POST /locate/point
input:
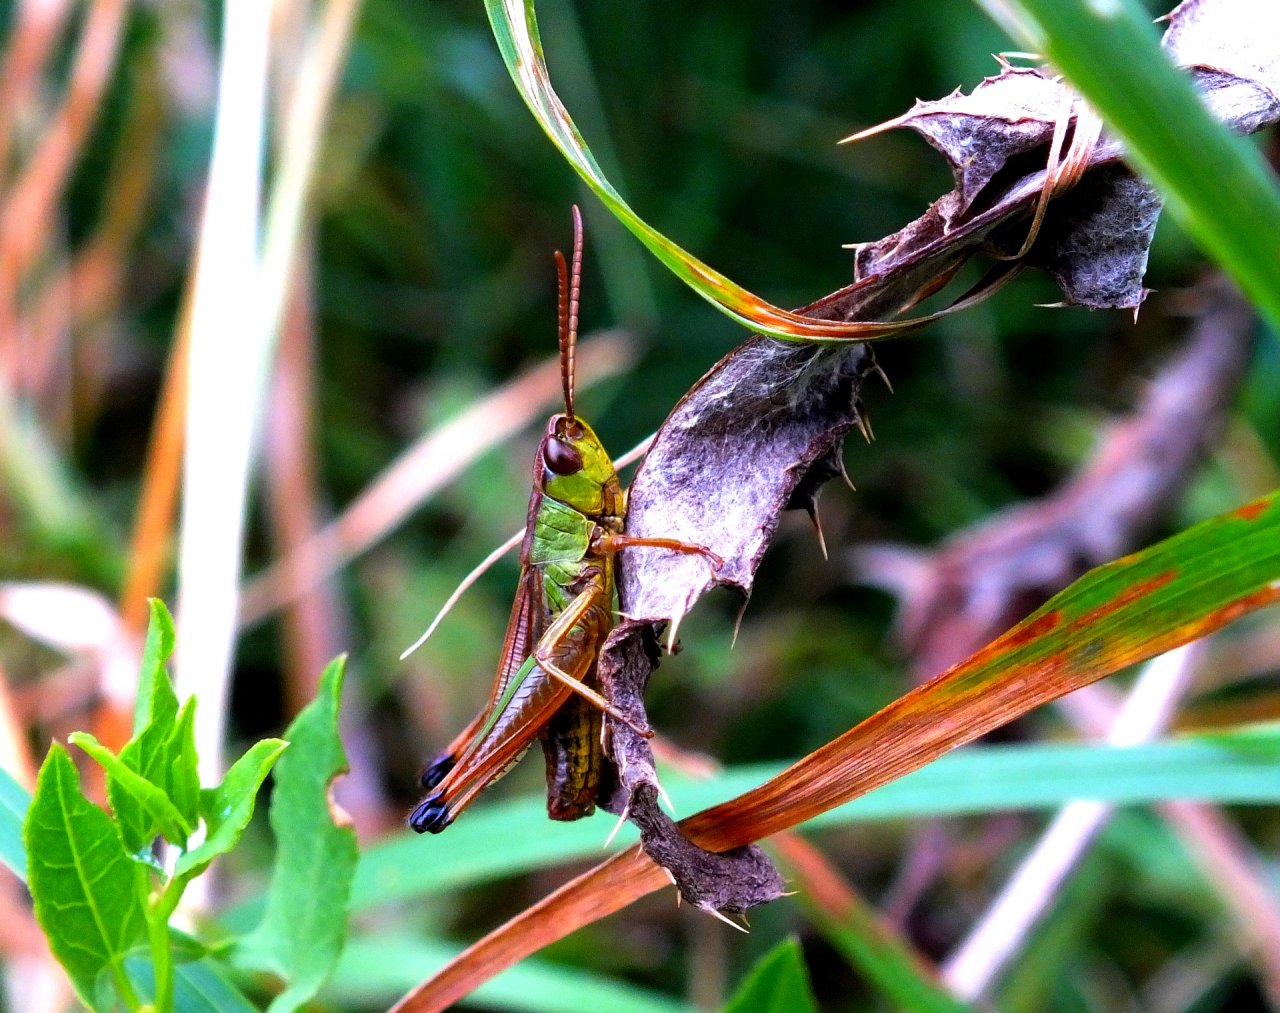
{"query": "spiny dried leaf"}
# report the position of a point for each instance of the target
(1003, 117)
(760, 431)
(1231, 45)
(761, 428)
(734, 881)
(727, 461)
(1094, 240)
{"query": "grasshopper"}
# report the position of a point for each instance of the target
(565, 605)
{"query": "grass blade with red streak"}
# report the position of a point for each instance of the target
(1116, 615)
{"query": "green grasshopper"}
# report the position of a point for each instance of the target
(565, 605)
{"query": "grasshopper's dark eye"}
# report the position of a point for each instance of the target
(561, 458)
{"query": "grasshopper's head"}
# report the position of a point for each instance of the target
(575, 468)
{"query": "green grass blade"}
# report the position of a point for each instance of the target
(1236, 767)
(891, 967)
(14, 802)
(1216, 185)
(374, 970)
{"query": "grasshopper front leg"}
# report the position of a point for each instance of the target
(569, 640)
(614, 542)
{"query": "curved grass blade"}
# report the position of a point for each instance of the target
(515, 27)
(1124, 612)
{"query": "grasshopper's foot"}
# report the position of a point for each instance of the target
(431, 816)
(436, 771)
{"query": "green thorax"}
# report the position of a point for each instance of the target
(570, 508)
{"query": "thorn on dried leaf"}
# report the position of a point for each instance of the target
(879, 371)
(662, 794)
(744, 929)
(737, 622)
(622, 818)
(863, 421)
(673, 628)
(812, 510)
(845, 475)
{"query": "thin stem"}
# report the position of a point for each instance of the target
(158, 911)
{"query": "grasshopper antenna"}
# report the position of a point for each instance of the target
(570, 287)
(467, 581)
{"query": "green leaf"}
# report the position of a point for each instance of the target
(228, 808)
(160, 814)
(1216, 185)
(156, 702)
(199, 987)
(778, 983)
(14, 802)
(182, 777)
(161, 752)
(304, 928)
(88, 893)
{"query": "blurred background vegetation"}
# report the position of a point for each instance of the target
(427, 280)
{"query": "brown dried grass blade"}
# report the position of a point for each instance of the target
(1122, 613)
(152, 541)
(30, 204)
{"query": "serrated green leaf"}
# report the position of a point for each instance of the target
(183, 774)
(778, 983)
(14, 802)
(304, 928)
(88, 893)
(152, 753)
(228, 808)
(156, 700)
(122, 782)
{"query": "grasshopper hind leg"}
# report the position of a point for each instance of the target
(436, 770)
(431, 815)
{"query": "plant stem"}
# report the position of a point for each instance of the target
(159, 907)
